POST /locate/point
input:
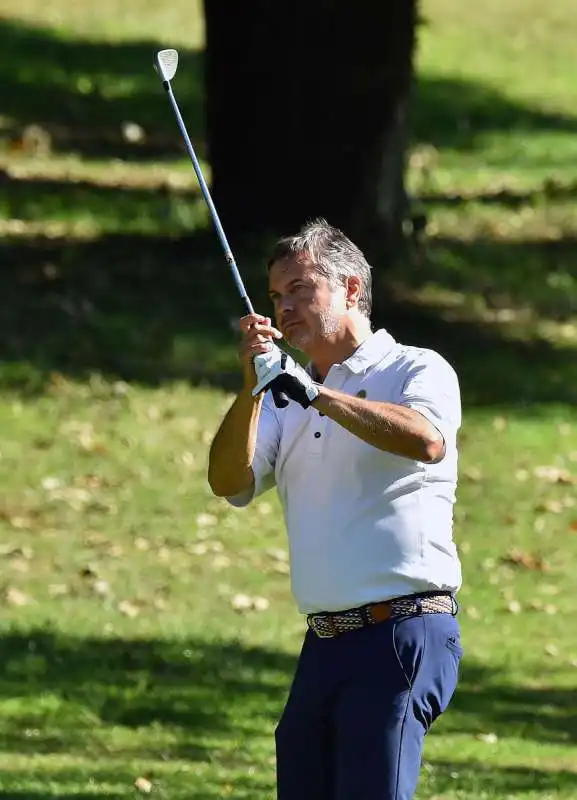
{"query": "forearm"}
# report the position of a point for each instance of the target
(233, 447)
(386, 426)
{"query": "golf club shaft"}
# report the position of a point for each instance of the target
(211, 207)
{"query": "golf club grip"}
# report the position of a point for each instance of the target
(281, 399)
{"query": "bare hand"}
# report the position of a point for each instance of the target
(257, 335)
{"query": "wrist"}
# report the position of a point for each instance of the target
(320, 401)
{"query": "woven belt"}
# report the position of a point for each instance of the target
(327, 625)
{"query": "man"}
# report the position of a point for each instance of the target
(364, 458)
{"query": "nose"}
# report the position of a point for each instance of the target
(285, 304)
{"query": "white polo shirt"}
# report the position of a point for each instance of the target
(364, 525)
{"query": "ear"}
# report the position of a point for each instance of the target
(352, 291)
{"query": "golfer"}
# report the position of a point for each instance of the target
(364, 459)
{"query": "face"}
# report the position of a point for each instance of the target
(307, 310)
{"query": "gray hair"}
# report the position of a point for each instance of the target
(333, 255)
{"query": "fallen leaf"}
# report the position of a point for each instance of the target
(101, 588)
(472, 474)
(277, 553)
(220, 561)
(143, 785)
(20, 522)
(20, 565)
(520, 558)
(241, 602)
(554, 474)
(488, 738)
(50, 483)
(120, 388)
(548, 588)
(58, 590)
(14, 597)
(260, 603)
(551, 650)
(141, 544)
(132, 132)
(206, 520)
(128, 609)
(539, 524)
(551, 506)
(188, 459)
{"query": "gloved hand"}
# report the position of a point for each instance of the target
(279, 372)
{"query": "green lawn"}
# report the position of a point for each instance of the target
(149, 635)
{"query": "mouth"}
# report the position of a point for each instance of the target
(289, 325)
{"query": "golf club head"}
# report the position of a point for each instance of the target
(166, 63)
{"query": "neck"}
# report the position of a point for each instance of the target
(340, 346)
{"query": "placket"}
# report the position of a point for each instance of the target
(319, 423)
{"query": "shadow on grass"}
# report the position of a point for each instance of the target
(539, 275)
(486, 703)
(222, 689)
(117, 206)
(25, 795)
(456, 114)
(199, 689)
(70, 695)
(82, 92)
(509, 198)
(492, 781)
(148, 309)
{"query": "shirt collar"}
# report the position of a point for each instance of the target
(371, 350)
(374, 348)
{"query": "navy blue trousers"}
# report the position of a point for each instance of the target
(360, 706)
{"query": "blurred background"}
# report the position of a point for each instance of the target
(148, 632)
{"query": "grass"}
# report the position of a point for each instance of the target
(148, 633)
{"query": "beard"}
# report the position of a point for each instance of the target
(328, 324)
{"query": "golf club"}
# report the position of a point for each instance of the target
(266, 364)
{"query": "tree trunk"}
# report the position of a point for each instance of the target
(307, 105)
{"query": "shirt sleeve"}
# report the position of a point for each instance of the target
(263, 465)
(432, 388)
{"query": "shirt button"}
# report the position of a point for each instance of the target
(317, 435)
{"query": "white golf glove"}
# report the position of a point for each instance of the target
(280, 373)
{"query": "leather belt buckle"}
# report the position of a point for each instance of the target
(379, 612)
